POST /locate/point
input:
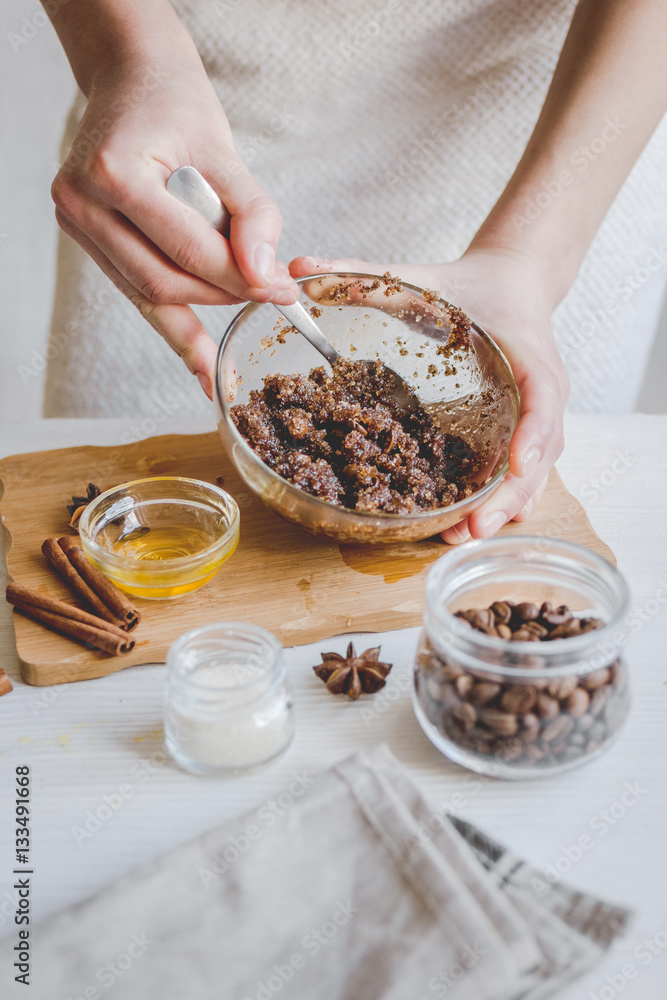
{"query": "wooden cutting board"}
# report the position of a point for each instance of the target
(299, 587)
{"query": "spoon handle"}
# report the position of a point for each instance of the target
(188, 185)
(299, 318)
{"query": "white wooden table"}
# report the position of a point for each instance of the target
(84, 741)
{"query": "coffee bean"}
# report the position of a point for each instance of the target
(525, 635)
(577, 703)
(530, 727)
(545, 622)
(466, 714)
(539, 630)
(590, 624)
(479, 618)
(527, 611)
(502, 612)
(595, 679)
(566, 630)
(499, 722)
(557, 729)
(585, 723)
(518, 699)
(482, 693)
(547, 708)
(464, 685)
(599, 700)
(562, 687)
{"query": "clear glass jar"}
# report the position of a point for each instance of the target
(228, 703)
(516, 709)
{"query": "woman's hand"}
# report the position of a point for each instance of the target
(144, 119)
(508, 295)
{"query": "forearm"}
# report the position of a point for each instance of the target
(99, 34)
(608, 94)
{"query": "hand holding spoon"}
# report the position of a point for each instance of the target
(188, 185)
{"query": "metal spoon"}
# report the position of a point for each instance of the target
(188, 185)
(132, 529)
(121, 513)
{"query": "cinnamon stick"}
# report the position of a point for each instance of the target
(5, 683)
(107, 591)
(17, 595)
(102, 639)
(68, 572)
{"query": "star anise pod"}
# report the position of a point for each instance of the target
(76, 507)
(352, 674)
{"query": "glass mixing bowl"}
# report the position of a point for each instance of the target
(469, 390)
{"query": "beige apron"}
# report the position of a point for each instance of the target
(384, 130)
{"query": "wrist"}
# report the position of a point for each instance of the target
(522, 269)
(136, 62)
(113, 39)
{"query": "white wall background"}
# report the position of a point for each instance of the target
(36, 89)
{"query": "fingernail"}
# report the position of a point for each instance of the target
(205, 383)
(530, 460)
(456, 534)
(285, 297)
(265, 261)
(317, 262)
(492, 522)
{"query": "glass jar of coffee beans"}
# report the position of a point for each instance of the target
(518, 670)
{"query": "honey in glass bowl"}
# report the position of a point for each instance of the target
(160, 538)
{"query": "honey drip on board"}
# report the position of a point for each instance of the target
(392, 562)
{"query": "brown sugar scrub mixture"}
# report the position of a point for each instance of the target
(341, 438)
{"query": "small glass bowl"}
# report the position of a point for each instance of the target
(474, 397)
(513, 709)
(228, 702)
(162, 537)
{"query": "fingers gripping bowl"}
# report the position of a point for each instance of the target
(460, 377)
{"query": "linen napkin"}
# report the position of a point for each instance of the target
(339, 895)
